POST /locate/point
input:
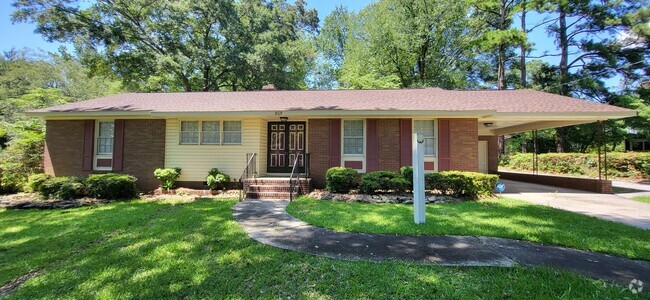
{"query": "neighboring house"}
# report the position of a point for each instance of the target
(367, 130)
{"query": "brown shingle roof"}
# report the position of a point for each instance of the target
(429, 99)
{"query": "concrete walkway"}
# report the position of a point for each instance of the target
(613, 207)
(267, 222)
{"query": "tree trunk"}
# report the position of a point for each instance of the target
(564, 70)
(501, 60)
(522, 58)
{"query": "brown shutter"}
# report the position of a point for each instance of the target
(118, 145)
(444, 145)
(335, 142)
(372, 146)
(89, 142)
(405, 140)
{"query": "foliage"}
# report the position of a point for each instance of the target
(396, 43)
(377, 181)
(111, 186)
(35, 182)
(619, 164)
(340, 179)
(65, 188)
(216, 179)
(467, 185)
(498, 217)
(188, 45)
(167, 177)
(407, 173)
(108, 251)
(23, 155)
(645, 199)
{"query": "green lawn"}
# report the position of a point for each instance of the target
(645, 199)
(196, 250)
(499, 218)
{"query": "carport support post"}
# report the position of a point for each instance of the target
(418, 180)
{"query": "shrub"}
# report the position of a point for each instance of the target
(619, 164)
(111, 186)
(468, 185)
(167, 177)
(23, 155)
(35, 182)
(340, 180)
(407, 173)
(373, 182)
(62, 188)
(216, 179)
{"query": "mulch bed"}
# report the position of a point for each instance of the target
(32, 201)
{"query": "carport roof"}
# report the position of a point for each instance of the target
(322, 101)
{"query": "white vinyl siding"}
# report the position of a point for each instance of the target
(353, 137)
(195, 160)
(426, 130)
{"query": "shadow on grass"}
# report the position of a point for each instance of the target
(197, 250)
(498, 218)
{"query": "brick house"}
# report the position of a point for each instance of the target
(367, 130)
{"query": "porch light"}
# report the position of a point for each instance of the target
(284, 119)
(488, 124)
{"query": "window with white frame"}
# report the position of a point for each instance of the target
(353, 137)
(232, 132)
(426, 130)
(105, 137)
(189, 132)
(210, 132)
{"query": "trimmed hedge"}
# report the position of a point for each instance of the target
(65, 188)
(407, 173)
(373, 182)
(35, 182)
(216, 179)
(468, 185)
(619, 164)
(340, 179)
(111, 186)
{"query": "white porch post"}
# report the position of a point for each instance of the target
(418, 180)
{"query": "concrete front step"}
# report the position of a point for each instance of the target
(276, 188)
(267, 195)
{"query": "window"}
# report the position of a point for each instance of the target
(425, 129)
(210, 132)
(352, 136)
(232, 132)
(189, 132)
(105, 138)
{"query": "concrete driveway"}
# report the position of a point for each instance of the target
(613, 207)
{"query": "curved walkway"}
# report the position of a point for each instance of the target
(267, 222)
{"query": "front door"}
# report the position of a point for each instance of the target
(286, 141)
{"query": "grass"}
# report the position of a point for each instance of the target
(645, 199)
(196, 250)
(498, 218)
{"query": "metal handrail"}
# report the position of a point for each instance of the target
(293, 171)
(246, 174)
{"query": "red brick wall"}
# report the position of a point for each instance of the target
(493, 152)
(144, 149)
(463, 144)
(388, 136)
(318, 132)
(64, 142)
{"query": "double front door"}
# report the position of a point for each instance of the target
(286, 141)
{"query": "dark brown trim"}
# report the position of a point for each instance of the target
(118, 145)
(357, 165)
(88, 145)
(335, 142)
(372, 146)
(444, 145)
